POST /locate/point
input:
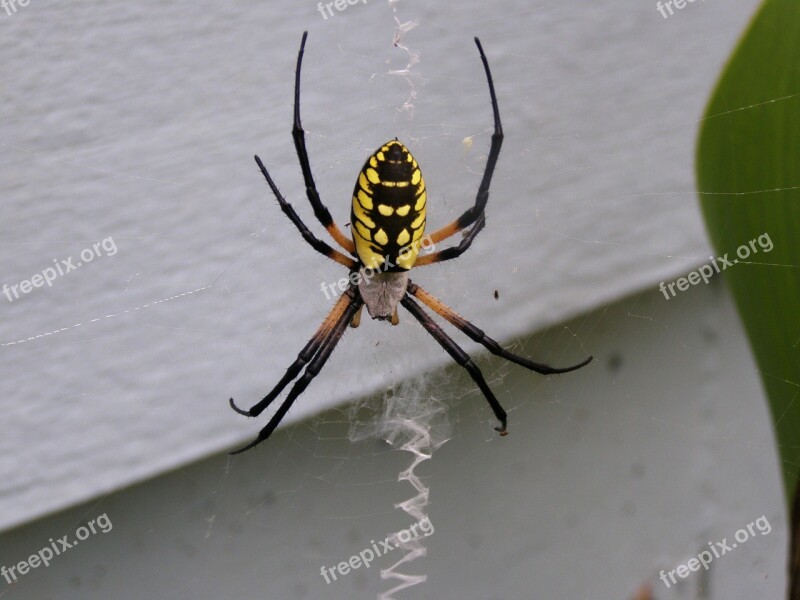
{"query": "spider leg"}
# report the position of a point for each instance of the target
(356, 318)
(454, 251)
(315, 242)
(472, 214)
(314, 367)
(306, 354)
(458, 355)
(479, 336)
(299, 135)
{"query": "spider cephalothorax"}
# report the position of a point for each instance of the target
(388, 217)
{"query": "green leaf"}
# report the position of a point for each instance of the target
(748, 172)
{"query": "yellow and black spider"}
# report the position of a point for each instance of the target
(387, 224)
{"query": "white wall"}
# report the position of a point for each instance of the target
(138, 123)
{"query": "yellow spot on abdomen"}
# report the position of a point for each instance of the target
(372, 176)
(367, 221)
(403, 238)
(386, 211)
(403, 210)
(363, 231)
(365, 199)
(381, 237)
(420, 202)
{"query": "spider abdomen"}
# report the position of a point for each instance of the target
(388, 213)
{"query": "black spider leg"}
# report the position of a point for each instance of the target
(306, 354)
(315, 242)
(453, 251)
(471, 214)
(477, 335)
(314, 367)
(299, 135)
(458, 355)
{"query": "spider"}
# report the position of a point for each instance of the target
(388, 214)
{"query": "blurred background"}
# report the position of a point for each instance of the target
(126, 141)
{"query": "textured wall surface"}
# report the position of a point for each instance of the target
(136, 124)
